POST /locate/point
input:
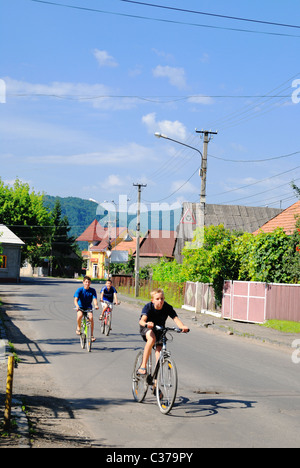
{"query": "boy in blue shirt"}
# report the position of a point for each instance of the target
(84, 298)
(108, 294)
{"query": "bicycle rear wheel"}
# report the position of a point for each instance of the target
(139, 382)
(166, 386)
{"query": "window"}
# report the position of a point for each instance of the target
(3, 261)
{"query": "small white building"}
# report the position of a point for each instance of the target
(10, 255)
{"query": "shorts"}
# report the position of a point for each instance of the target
(157, 333)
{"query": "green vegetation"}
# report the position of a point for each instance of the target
(46, 233)
(80, 213)
(226, 255)
(284, 326)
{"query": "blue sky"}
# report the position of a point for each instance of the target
(88, 83)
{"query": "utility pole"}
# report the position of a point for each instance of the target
(207, 136)
(138, 229)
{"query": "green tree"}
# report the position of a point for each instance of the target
(294, 262)
(296, 189)
(62, 247)
(265, 257)
(23, 211)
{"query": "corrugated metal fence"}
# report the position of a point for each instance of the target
(258, 302)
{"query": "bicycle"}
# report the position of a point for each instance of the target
(164, 378)
(86, 331)
(106, 320)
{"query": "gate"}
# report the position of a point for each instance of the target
(244, 301)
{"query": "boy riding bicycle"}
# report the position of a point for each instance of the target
(155, 313)
(84, 298)
(108, 294)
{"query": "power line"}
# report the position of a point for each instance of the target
(235, 117)
(161, 20)
(215, 15)
(255, 160)
(257, 182)
(153, 99)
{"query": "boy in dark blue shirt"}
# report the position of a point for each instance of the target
(84, 298)
(108, 294)
(156, 313)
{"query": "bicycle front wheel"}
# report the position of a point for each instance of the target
(139, 382)
(107, 324)
(102, 325)
(82, 335)
(88, 337)
(166, 386)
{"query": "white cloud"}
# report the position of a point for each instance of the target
(173, 129)
(115, 181)
(185, 187)
(98, 95)
(55, 89)
(206, 100)
(176, 76)
(104, 59)
(121, 156)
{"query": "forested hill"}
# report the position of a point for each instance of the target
(80, 213)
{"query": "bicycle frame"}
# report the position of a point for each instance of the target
(107, 318)
(163, 354)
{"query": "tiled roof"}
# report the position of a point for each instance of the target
(117, 236)
(94, 233)
(158, 244)
(286, 220)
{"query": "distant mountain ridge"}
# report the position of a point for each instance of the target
(81, 213)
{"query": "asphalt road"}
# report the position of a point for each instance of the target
(232, 392)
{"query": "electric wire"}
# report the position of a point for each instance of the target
(169, 21)
(184, 10)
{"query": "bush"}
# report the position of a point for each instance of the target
(225, 255)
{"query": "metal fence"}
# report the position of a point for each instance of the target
(257, 302)
(246, 301)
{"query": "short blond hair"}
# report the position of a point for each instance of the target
(157, 291)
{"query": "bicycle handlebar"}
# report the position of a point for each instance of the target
(176, 329)
(113, 303)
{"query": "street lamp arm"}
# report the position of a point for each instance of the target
(160, 135)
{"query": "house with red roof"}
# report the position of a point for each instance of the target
(287, 220)
(115, 244)
(157, 245)
(105, 244)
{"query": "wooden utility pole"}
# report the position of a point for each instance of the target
(138, 229)
(203, 174)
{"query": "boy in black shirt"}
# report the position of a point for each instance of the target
(155, 313)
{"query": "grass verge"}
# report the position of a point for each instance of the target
(284, 326)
